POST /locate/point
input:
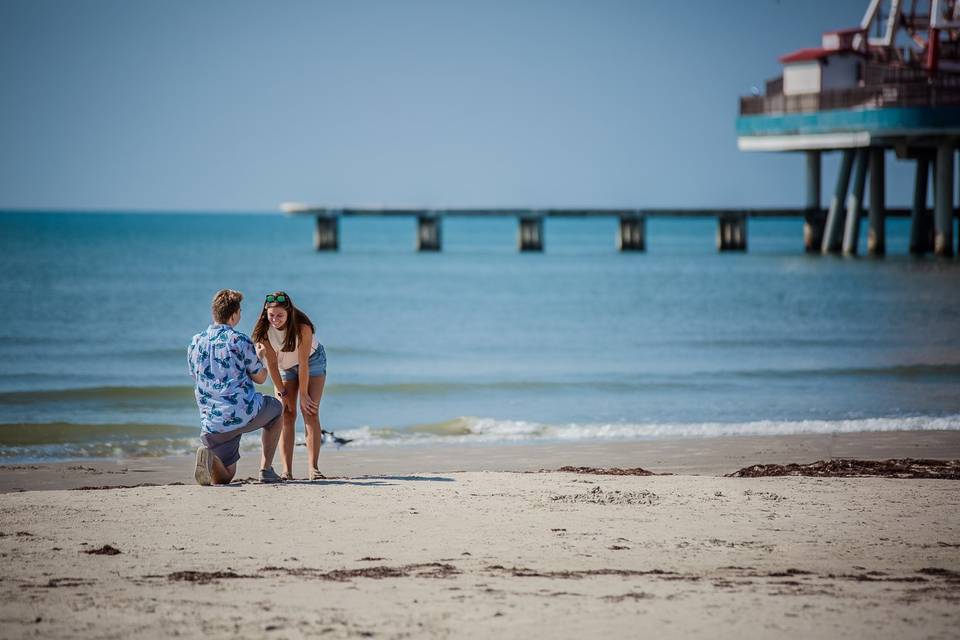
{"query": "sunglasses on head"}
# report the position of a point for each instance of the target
(280, 298)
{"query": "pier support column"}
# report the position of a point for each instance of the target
(813, 220)
(428, 233)
(877, 234)
(943, 202)
(832, 230)
(732, 232)
(326, 235)
(632, 234)
(530, 234)
(921, 229)
(851, 230)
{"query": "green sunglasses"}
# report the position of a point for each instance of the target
(277, 298)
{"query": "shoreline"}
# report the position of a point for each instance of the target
(715, 456)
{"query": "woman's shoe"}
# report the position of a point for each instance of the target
(316, 475)
(286, 476)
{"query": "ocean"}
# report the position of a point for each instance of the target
(477, 343)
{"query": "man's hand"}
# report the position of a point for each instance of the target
(262, 352)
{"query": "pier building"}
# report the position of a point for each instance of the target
(892, 84)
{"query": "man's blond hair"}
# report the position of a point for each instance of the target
(226, 302)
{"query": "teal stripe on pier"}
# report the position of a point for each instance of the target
(896, 120)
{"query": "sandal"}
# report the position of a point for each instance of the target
(316, 475)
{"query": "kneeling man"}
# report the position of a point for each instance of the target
(224, 364)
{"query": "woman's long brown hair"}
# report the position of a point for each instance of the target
(295, 320)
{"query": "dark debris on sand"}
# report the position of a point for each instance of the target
(105, 550)
(422, 570)
(202, 577)
(846, 468)
(523, 572)
(612, 471)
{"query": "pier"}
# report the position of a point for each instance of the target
(889, 85)
(631, 231)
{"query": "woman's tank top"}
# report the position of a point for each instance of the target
(286, 359)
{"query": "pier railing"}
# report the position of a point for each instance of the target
(867, 97)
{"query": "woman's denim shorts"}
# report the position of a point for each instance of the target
(317, 362)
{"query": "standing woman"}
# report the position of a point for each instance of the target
(286, 339)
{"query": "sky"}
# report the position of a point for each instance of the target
(239, 105)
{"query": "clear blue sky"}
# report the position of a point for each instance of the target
(238, 105)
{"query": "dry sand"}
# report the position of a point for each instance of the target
(480, 554)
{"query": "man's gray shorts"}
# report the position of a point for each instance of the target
(226, 445)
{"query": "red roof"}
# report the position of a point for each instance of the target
(804, 55)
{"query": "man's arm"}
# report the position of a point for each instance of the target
(251, 363)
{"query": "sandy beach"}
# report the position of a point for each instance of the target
(446, 552)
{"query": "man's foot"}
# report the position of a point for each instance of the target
(316, 475)
(204, 472)
(269, 475)
(286, 476)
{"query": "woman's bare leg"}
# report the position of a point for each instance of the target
(312, 423)
(288, 436)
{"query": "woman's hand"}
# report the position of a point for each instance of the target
(307, 404)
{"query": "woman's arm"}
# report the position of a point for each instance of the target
(266, 350)
(303, 356)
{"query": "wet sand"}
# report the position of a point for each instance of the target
(442, 552)
(687, 456)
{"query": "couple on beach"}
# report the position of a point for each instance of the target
(225, 364)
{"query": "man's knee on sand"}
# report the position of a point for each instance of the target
(225, 475)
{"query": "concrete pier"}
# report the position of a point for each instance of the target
(851, 228)
(877, 233)
(428, 233)
(732, 233)
(326, 234)
(943, 202)
(632, 233)
(813, 220)
(530, 233)
(832, 231)
(921, 225)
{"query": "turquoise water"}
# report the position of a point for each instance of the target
(477, 343)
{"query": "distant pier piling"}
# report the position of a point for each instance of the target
(943, 202)
(851, 228)
(428, 232)
(813, 220)
(921, 224)
(530, 233)
(326, 234)
(832, 239)
(732, 232)
(876, 233)
(632, 233)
